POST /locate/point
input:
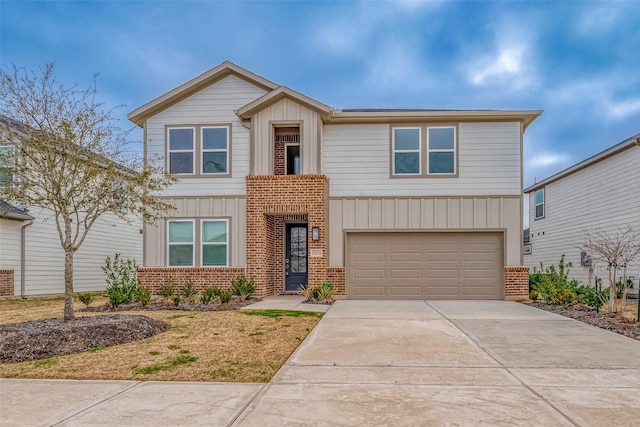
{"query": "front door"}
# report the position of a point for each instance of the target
(295, 263)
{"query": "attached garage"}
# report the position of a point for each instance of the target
(424, 265)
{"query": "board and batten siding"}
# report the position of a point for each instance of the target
(210, 106)
(428, 214)
(44, 273)
(356, 158)
(603, 196)
(280, 113)
(196, 208)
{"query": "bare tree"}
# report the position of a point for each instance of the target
(615, 249)
(70, 156)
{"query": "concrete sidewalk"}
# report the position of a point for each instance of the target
(466, 363)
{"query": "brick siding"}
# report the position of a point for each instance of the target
(6, 283)
(202, 277)
(516, 283)
(336, 276)
(270, 200)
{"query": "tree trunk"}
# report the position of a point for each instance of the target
(612, 289)
(68, 285)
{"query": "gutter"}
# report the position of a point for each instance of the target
(23, 257)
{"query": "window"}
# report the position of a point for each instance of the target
(181, 243)
(181, 150)
(438, 143)
(441, 149)
(215, 242)
(215, 150)
(406, 151)
(539, 203)
(6, 163)
(292, 159)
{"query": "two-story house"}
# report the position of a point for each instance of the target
(384, 204)
(598, 193)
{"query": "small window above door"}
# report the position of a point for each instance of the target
(286, 151)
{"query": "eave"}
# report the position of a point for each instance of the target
(282, 92)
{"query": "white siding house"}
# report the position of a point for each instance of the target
(383, 203)
(601, 192)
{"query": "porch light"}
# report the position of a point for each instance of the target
(315, 234)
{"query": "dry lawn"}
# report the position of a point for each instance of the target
(199, 346)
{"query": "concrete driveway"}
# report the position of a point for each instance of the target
(434, 363)
(453, 363)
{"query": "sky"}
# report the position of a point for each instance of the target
(579, 61)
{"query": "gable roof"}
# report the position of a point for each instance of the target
(9, 211)
(140, 114)
(282, 92)
(609, 152)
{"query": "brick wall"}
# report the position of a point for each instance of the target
(336, 276)
(276, 196)
(6, 283)
(516, 283)
(202, 277)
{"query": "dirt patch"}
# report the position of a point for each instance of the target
(45, 338)
(610, 322)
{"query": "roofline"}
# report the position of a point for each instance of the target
(609, 152)
(527, 117)
(11, 212)
(140, 114)
(276, 95)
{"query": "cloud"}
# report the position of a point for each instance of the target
(623, 109)
(507, 63)
(548, 160)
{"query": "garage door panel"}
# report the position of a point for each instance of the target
(451, 265)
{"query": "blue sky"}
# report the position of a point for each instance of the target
(578, 61)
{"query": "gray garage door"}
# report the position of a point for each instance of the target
(424, 266)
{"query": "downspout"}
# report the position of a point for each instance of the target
(23, 257)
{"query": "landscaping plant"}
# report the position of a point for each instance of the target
(243, 287)
(86, 299)
(209, 294)
(189, 292)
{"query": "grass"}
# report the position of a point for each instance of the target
(238, 346)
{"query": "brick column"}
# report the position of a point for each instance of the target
(516, 283)
(6, 283)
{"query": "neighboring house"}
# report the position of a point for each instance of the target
(32, 259)
(384, 204)
(601, 192)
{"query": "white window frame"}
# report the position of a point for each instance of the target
(535, 204)
(193, 243)
(394, 152)
(192, 151)
(202, 244)
(13, 155)
(440, 150)
(213, 150)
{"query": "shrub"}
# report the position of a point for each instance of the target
(225, 296)
(188, 291)
(210, 294)
(176, 299)
(593, 297)
(552, 285)
(122, 281)
(322, 293)
(86, 299)
(243, 287)
(166, 289)
(325, 293)
(142, 295)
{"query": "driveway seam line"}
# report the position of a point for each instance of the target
(504, 366)
(138, 383)
(246, 405)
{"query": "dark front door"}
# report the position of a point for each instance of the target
(295, 263)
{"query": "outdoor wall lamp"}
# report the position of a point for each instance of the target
(315, 234)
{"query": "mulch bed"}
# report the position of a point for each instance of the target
(41, 339)
(161, 304)
(610, 322)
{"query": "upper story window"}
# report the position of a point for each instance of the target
(441, 148)
(215, 150)
(181, 150)
(438, 143)
(406, 151)
(7, 159)
(198, 150)
(539, 204)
